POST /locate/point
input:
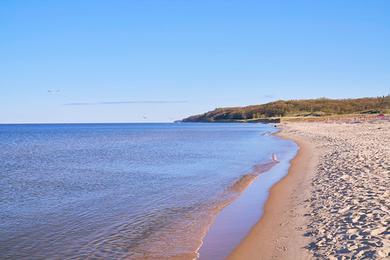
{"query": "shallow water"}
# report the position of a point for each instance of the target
(120, 190)
(236, 220)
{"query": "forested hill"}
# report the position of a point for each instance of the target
(296, 108)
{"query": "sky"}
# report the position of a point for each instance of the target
(157, 61)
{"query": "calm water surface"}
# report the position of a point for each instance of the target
(120, 190)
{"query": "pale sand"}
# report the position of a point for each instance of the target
(335, 201)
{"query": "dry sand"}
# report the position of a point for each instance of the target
(335, 201)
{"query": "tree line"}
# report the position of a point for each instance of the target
(297, 108)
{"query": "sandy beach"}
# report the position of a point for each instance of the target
(334, 203)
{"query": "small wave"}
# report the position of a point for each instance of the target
(244, 181)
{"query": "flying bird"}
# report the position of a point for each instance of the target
(50, 91)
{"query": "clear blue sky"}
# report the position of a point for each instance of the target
(136, 61)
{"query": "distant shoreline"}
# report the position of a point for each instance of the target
(292, 110)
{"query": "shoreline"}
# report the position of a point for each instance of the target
(252, 197)
(279, 231)
(334, 202)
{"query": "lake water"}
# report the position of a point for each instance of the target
(123, 190)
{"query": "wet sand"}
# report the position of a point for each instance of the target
(279, 233)
(235, 219)
(334, 203)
